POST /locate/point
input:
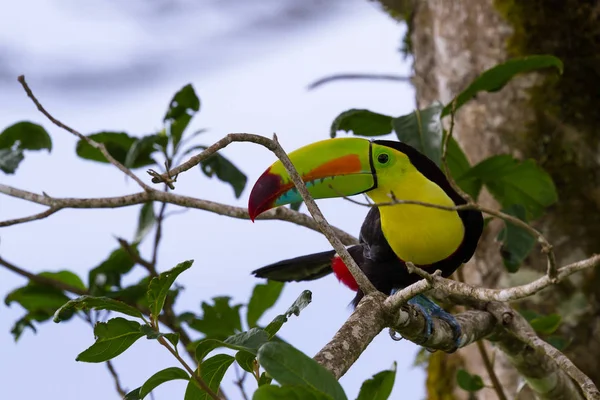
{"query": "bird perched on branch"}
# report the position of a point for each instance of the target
(391, 235)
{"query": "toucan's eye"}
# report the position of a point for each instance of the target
(383, 158)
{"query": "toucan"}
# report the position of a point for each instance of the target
(391, 235)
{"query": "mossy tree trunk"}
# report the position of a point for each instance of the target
(552, 119)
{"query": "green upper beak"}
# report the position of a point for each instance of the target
(330, 168)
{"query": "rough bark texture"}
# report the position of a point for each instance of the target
(551, 119)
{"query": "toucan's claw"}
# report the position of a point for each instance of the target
(431, 309)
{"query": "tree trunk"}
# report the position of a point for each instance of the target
(552, 119)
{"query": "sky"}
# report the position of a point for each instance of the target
(115, 68)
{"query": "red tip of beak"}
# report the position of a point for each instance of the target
(264, 193)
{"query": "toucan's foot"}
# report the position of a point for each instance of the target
(431, 309)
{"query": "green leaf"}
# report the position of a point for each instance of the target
(68, 277)
(517, 243)
(245, 360)
(133, 395)
(212, 371)
(289, 366)
(112, 338)
(264, 379)
(288, 392)
(379, 387)
(225, 171)
(165, 375)
(248, 341)
(37, 298)
(422, 129)
(142, 148)
(120, 146)
(546, 325)
(134, 294)
(10, 160)
(108, 274)
(496, 77)
(560, 343)
(146, 221)
(27, 322)
(219, 320)
(362, 123)
(513, 182)
(27, 136)
(459, 165)
(184, 104)
(159, 287)
(468, 382)
(85, 303)
(301, 302)
(263, 297)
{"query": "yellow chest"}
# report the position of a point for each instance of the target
(422, 235)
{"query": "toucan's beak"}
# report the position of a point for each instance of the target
(330, 168)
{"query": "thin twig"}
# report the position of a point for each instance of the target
(239, 381)
(358, 76)
(444, 160)
(30, 218)
(192, 373)
(122, 392)
(490, 370)
(158, 235)
(96, 145)
(135, 256)
(42, 280)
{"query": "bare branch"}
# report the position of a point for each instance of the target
(99, 146)
(489, 367)
(33, 217)
(281, 213)
(115, 376)
(370, 77)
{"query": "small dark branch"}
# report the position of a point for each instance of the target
(34, 217)
(370, 77)
(122, 392)
(192, 373)
(135, 256)
(99, 146)
(489, 367)
(239, 381)
(159, 221)
(42, 280)
(444, 157)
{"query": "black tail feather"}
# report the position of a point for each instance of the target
(304, 268)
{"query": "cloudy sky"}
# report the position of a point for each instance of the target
(106, 67)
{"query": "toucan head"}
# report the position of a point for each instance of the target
(330, 168)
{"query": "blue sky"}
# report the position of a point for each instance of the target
(105, 68)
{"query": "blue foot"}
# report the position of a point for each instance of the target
(431, 309)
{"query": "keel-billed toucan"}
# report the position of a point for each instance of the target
(390, 235)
